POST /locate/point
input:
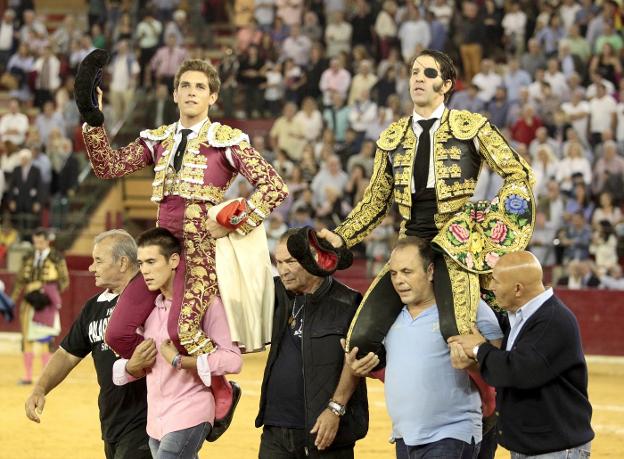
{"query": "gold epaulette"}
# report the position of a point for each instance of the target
(464, 124)
(160, 133)
(393, 134)
(55, 256)
(222, 135)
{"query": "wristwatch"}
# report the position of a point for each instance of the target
(336, 408)
(475, 350)
(177, 362)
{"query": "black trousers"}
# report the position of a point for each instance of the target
(285, 443)
(133, 444)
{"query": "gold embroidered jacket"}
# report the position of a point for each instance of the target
(53, 271)
(473, 234)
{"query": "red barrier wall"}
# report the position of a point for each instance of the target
(600, 312)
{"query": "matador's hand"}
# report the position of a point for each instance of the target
(330, 237)
(216, 230)
(100, 96)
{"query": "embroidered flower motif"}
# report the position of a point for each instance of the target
(460, 233)
(516, 205)
(476, 243)
(477, 215)
(469, 261)
(499, 232)
(492, 258)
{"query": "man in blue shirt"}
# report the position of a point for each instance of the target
(434, 408)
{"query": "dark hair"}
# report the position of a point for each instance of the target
(362, 168)
(447, 68)
(163, 239)
(42, 232)
(606, 229)
(423, 247)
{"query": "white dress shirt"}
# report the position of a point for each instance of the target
(437, 113)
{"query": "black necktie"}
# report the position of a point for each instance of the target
(179, 154)
(423, 155)
(38, 260)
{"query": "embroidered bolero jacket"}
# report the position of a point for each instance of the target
(211, 161)
(474, 234)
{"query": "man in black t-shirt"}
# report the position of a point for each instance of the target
(123, 410)
(310, 404)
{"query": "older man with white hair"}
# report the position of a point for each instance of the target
(123, 410)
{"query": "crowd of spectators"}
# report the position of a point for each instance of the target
(38, 121)
(546, 73)
(333, 74)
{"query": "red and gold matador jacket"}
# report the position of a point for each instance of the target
(210, 162)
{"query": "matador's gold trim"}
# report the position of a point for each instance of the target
(373, 207)
(466, 295)
(160, 133)
(464, 124)
(393, 134)
(222, 135)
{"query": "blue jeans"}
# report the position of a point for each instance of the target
(487, 447)
(181, 444)
(447, 448)
(580, 452)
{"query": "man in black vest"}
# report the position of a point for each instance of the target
(540, 372)
(123, 410)
(310, 405)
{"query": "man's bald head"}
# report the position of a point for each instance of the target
(516, 279)
(523, 266)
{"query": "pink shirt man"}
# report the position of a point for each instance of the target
(180, 399)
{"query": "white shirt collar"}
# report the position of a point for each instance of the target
(107, 295)
(195, 128)
(437, 113)
(43, 254)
